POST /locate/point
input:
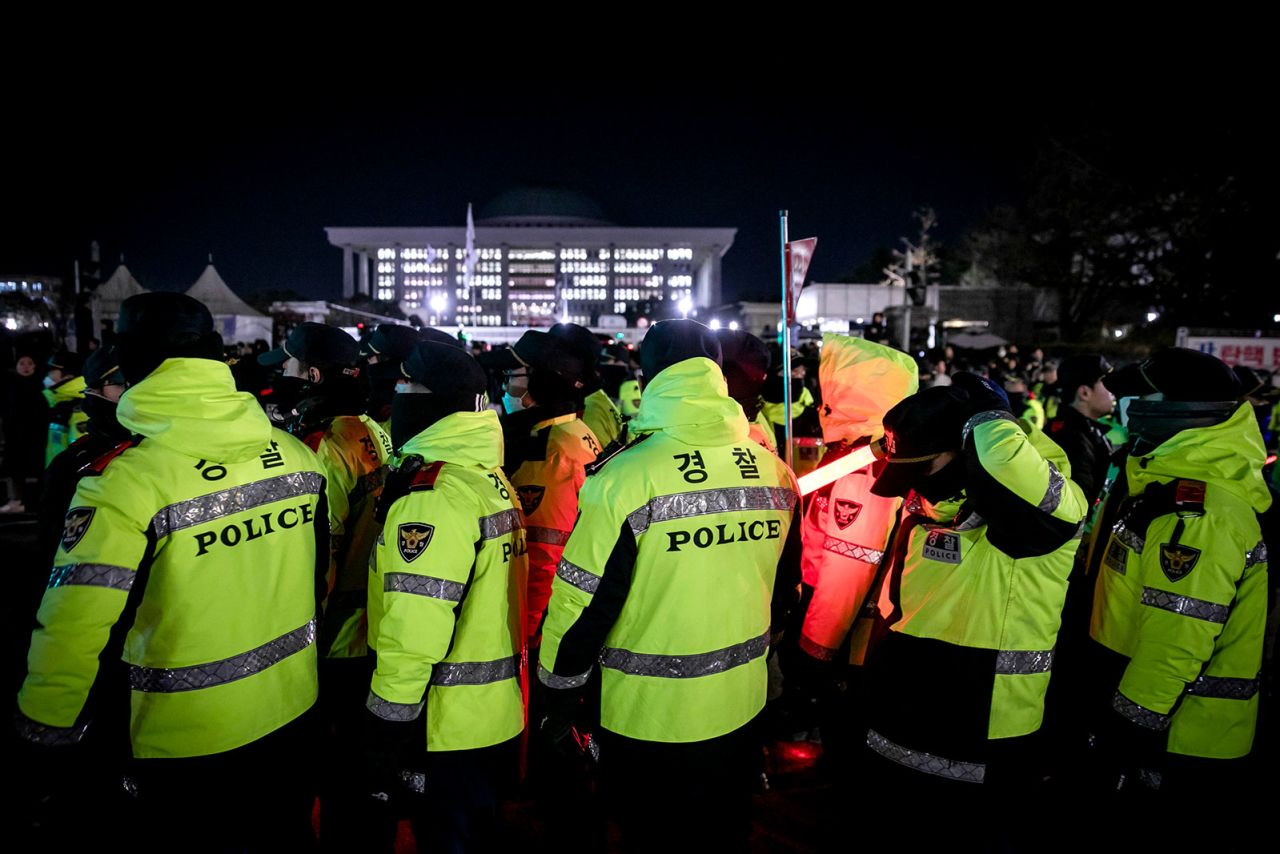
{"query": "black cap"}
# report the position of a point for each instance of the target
(66, 361)
(391, 341)
(669, 342)
(1076, 371)
(580, 341)
(103, 368)
(745, 361)
(1179, 374)
(316, 344)
(445, 368)
(162, 325)
(916, 430)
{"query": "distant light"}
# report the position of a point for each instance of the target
(685, 305)
(10, 323)
(1119, 333)
(715, 323)
(733, 324)
(439, 303)
(1275, 318)
(1153, 316)
(859, 319)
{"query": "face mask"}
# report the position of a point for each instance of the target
(512, 404)
(49, 382)
(402, 388)
(945, 483)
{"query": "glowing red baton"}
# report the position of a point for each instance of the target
(851, 462)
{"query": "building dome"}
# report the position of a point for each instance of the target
(541, 206)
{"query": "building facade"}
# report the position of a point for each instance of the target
(539, 257)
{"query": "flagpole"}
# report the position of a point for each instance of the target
(786, 337)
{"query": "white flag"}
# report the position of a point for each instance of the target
(471, 254)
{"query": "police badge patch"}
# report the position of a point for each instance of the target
(414, 539)
(942, 546)
(1178, 561)
(846, 512)
(530, 497)
(75, 526)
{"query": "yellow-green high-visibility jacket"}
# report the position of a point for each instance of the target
(207, 541)
(776, 413)
(1182, 590)
(66, 419)
(975, 598)
(547, 486)
(1034, 412)
(451, 567)
(629, 397)
(352, 451)
(669, 578)
(761, 432)
(846, 529)
(601, 417)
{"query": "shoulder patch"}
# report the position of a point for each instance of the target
(1177, 561)
(530, 497)
(99, 465)
(942, 546)
(612, 450)
(425, 478)
(75, 526)
(413, 538)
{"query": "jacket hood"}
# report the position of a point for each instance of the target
(689, 401)
(1229, 455)
(461, 438)
(65, 391)
(191, 406)
(860, 382)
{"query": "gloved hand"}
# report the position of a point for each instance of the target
(561, 727)
(387, 753)
(985, 394)
(1131, 756)
(397, 485)
(812, 677)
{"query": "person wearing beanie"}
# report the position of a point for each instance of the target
(64, 392)
(446, 592)
(1180, 602)
(184, 595)
(975, 585)
(680, 569)
(746, 367)
(845, 534)
(1084, 399)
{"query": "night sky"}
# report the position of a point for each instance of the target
(254, 175)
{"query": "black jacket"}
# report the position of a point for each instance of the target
(1086, 445)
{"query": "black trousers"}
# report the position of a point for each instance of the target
(460, 810)
(254, 798)
(681, 797)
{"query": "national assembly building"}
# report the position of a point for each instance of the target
(541, 256)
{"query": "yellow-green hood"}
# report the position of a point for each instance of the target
(861, 381)
(191, 406)
(690, 402)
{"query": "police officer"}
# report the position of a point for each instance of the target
(104, 384)
(187, 574)
(683, 561)
(598, 410)
(975, 590)
(323, 394)
(548, 447)
(384, 351)
(845, 533)
(64, 392)
(746, 367)
(1180, 604)
(450, 567)
(1076, 429)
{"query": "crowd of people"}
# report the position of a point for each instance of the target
(285, 599)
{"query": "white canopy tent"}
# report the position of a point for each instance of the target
(106, 298)
(233, 318)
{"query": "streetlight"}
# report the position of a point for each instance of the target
(685, 305)
(439, 303)
(733, 324)
(715, 323)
